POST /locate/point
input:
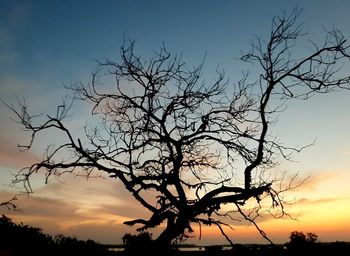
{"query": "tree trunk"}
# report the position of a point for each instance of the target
(172, 231)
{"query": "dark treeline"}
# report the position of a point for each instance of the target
(300, 244)
(20, 239)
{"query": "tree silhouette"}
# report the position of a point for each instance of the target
(302, 244)
(297, 237)
(9, 204)
(20, 239)
(184, 148)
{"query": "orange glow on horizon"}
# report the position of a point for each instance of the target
(321, 206)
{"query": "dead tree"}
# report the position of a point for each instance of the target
(192, 146)
(9, 204)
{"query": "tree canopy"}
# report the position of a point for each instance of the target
(20, 239)
(184, 147)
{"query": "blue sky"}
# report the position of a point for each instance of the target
(61, 39)
(46, 44)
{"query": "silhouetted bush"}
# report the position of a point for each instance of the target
(20, 239)
(132, 242)
(302, 244)
(213, 249)
(143, 244)
(70, 245)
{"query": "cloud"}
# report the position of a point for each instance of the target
(96, 208)
(307, 201)
(97, 197)
(42, 212)
(97, 191)
(130, 210)
(40, 207)
(108, 232)
(10, 156)
(321, 179)
(57, 216)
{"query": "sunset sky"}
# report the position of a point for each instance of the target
(45, 45)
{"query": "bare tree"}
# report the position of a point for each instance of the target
(183, 147)
(9, 204)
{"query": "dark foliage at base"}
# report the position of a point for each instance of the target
(319, 249)
(20, 239)
(142, 244)
(300, 244)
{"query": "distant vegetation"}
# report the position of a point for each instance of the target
(300, 244)
(20, 239)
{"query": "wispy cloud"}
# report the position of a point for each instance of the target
(97, 208)
(58, 216)
(307, 201)
(323, 177)
(11, 157)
